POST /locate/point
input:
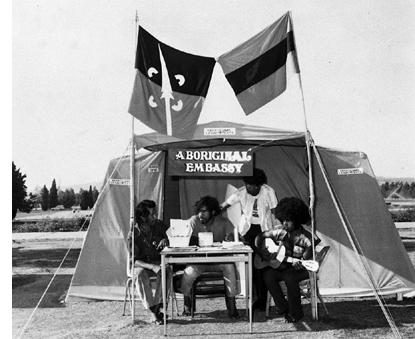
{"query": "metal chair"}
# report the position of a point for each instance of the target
(209, 284)
(130, 288)
(305, 285)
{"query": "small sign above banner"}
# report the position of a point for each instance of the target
(350, 171)
(121, 182)
(208, 162)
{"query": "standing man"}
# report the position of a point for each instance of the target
(149, 239)
(208, 219)
(258, 202)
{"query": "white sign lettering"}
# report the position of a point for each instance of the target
(153, 168)
(213, 156)
(123, 182)
(350, 171)
(220, 131)
(210, 162)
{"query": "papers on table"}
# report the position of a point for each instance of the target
(181, 249)
(232, 244)
(179, 228)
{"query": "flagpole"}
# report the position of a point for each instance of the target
(132, 189)
(309, 142)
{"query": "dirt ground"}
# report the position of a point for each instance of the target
(35, 261)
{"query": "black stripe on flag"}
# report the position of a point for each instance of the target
(262, 66)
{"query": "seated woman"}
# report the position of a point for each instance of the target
(149, 239)
(292, 212)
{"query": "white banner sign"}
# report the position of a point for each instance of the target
(350, 171)
(122, 182)
(208, 162)
(220, 131)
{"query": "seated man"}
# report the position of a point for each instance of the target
(208, 219)
(149, 239)
(292, 212)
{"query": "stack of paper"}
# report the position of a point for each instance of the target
(179, 228)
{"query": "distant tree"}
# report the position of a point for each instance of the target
(90, 198)
(78, 198)
(20, 200)
(60, 196)
(412, 194)
(53, 195)
(95, 194)
(384, 189)
(392, 187)
(70, 198)
(36, 196)
(67, 198)
(84, 199)
(44, 193)
(406, 190)
(39, 199)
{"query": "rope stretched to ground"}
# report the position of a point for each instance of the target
(50, 282)
(64, 258)
(358, 249)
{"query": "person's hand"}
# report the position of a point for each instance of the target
(297, 265)
(245, 242)
(264, 254)
(273, 256)
(163, 243)
(229, 237)
(155, 268)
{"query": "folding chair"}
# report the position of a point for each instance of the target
(305, 285)
(212, 285)
(130, 289)
(209, 284)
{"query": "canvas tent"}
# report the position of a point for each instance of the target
(101, 269)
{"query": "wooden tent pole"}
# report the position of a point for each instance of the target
(309, 142)
(132, 190)
(132, 219)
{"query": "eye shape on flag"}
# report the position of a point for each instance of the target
(257, 69)
(170, 87)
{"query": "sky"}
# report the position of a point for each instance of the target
(73, 73)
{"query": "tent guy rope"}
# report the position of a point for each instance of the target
(50, 282)
(67, 252)
(357, 249)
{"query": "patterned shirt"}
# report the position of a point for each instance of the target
(145, 244)
(300, 245)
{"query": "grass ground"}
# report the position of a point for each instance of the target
(35, 261)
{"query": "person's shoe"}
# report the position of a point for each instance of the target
(160, 316)
(155, 320)
(187, 309)
(258, 305)
(158, 322)
(293, 318)
(231, 307)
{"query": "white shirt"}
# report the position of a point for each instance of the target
(266, 200)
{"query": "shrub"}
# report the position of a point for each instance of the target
(404, 215)
(53, 225)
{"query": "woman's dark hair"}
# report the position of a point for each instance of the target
(211, 203)
(258, 178)
(142, 209)
(292, 209)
